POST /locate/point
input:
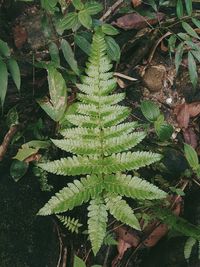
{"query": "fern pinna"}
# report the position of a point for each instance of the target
(100, 140)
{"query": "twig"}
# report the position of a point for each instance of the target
(60, 244)
(64, 263)
(124, 76)
(7, 140)
(112, 9)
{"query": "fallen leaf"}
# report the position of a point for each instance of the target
(136, 21)
(186, 111)
(20, 36)
(190, 137)
(136, 2)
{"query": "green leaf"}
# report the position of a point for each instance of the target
(188, 4)
(113, 49)
(192, 69)
(15, 72)
(85, 19)
(68, 22)
(179, 55)
(38, 144)
(188, 247)
(97, 221)
(78, 4)
(150, 110)
(83, 43)
(93, 7)
(179, 9)
(56, 106)
(4, 49)
(196, 22)
(54, 53)
(69, 56)
(189, 30)
(49, 5)
(3, 81)
(109, 29)
(18, 169)
(24, 152)
(78, 262)
(191, 156)
(172, 43)
(12, 117)
(165, 131)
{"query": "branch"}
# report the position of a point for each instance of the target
(7, 139)
(111, 10)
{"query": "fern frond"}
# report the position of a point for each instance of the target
(79, 146)
(92, 133)
(123, 142)
(71, 224)
(122, 211)
(109, 240)
(73, 195)
(97, 223)
(133, 187)
(189, 244)
(101, 100)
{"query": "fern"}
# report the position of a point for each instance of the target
(100, 139)
(71, 224)
(188, 247)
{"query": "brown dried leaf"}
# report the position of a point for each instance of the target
(182, 115)
(136, 21)
(20, 36)
(190, 137)
(185, 111)
(136, 2)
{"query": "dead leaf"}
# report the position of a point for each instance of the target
(136, 21)
(20, 36)
(190, 137)
(186, 111)
(136, 2)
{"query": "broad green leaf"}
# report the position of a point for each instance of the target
(188, 4)
(38, 144)
(15, 72)
(83, 43)
(49, 5)
(196, 54)
(3, 81)
(191, 156)
(196, 22)
(78, 4)
(109, 29)
(85, 19)
(93, 7)
(150, 110)
(192, 69)
(179, 9)
(184, 36)
(113, 49)
(192, 45)
(179, 55)
(163, 130)
(4, 49)
(69, 56)
(24, 152)
(12, 117)
(78, 262)
(54, 53)
(189, 30)
(172, 43)
(56, 106)
(18, 169)
(68, 22)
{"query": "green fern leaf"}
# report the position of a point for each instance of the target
(122, 211)
(73, 195)
(134, 187)
(101, 100)
(97, 223)
(188, 247)
(71, 224)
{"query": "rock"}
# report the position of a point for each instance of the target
(154, 78)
